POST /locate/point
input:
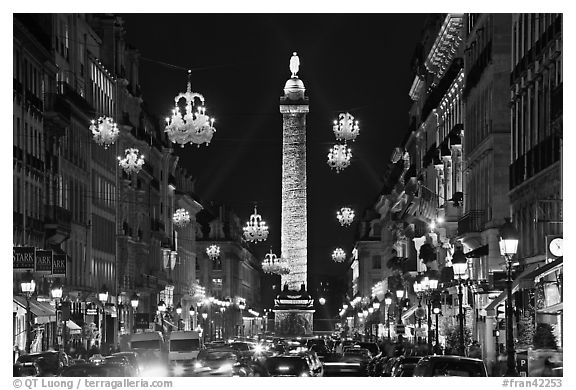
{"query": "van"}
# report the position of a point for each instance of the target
(151, 352)
(183, 349)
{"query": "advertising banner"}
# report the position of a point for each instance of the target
(59, 266)
(23, 258)
(43, 263)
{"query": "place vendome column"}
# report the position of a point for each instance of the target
(293, 306)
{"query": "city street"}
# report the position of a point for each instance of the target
(288, 194)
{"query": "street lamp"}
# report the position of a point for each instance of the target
(242, 306)
(459, 266)
(431, 286)
(28, 286)
(436, 308)
(56, 291)
(134, 302)
(400, 295)
(179, 312)
(204, 317)
(508, 247)
(388, 302)
(322, 300)
(103, 298)
(162, 310)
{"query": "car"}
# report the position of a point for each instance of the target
(122, 363)
(404, 365)
(289, 365)
(372, 347)
(450, 365)
(387, 367)
(49, 362)
(244, 349)
(89, 370)
(375, 365)
(132, 359)
(26, 369)
(215, 362)
(313, 360)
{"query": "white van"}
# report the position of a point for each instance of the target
(151, 352)
(183, 349)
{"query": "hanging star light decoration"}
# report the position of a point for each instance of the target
(104, 131)
(339, 157)
(181, 218)
(346, 128)
(213, 252)
(345, 216)
(339, 255)
(192, 126)
(256, 229)
(132, 161)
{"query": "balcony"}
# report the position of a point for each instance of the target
(75, 98)
(537, 159)
(57, 224)
(57, 113)
(472, 222)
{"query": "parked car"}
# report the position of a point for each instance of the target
(122, 363)
(132, 359)
(388, 366)
(91, 370)
(26, 369)
(449, 365)
(49, 362)
(404, 365)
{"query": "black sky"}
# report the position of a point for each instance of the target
(348, 62)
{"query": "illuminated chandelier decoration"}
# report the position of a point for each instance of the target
(132, 161)
(181, 218)
(192, 126)
(213, 252)
(339, 157)
(339, 255)
(105, 131)
(345, 216)
(273, 265)
(256, 229)
(346, 128)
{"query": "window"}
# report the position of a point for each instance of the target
(376, 262)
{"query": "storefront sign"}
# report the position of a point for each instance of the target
(141, 321)
(400, 328)
(23, 258)
(59, 266)
(43, 263)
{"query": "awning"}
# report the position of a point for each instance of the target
(525, 280)
(73, 328)
(554, 309)
(409, 312)
(480, 251)
(43, 311)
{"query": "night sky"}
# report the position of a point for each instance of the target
(358, 63)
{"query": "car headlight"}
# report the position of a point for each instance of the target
(198, 365)
(178, 370)
(226, 367)
(304, 374)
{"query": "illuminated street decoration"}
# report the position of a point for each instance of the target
(339, 157)
(339, 255)
(256, 229)
(132, 161)
(274, 265)
(104, 131)
(181, 218)
(213, 252)
(192, 126)
(345, 216)
(346, 128)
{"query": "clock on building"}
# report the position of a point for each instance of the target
(555, 247)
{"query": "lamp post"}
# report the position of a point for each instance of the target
(459, 265)
(436, 309)
(28, 286)
(431, 287)
(399, 295)
(508, 247)
(134, 302)
(179, 312)
(103, 298)
(192, 314)
(388, 302)
(376, 307)
(222, 309)
(204, 317)
(162, 310)
(56, 291)
(242, 306)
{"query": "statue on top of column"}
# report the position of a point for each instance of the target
(294, 64)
